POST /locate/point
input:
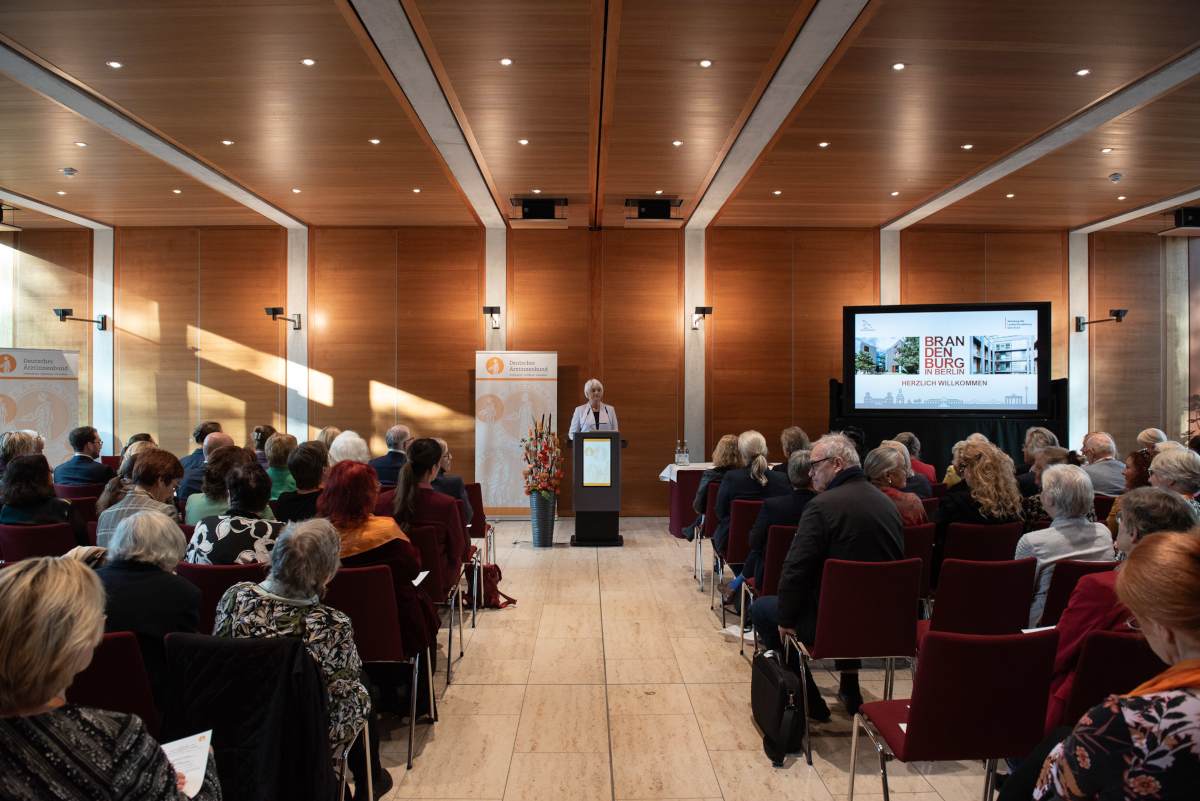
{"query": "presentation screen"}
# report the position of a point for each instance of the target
(991, 357)
(597, 462)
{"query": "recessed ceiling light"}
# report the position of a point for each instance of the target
(1120, 197)
(116, 65)
(822, 144)
(522, 141)
(895, 194)
(295, 190)
(658, 191)
(416, 190)
(177, 191)
(777, 192)
(506, 62)
(536, 191)
(967, 146)
(1083, 72)
(308, 62)
(705, 63)
(81, 144)
(227, 142)
(1010, 196)
(374, 141)
(677, 143)
(60, 192)
(899, 65)
(1106, 150)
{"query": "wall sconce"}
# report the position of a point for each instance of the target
(276, 313)
(699, 315)
(65, 314)
(492, 313)
(1117, 316)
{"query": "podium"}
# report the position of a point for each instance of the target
(597, 489)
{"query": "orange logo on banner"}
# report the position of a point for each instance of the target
(494, 365)
(7, 363)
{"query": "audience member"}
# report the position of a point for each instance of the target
(725, 457)
(327, 435)
(849, 519)
(348, 500)
(782, 510)
(1151, 438)
(193, 472)
(987, 493)
(14, 444)
(213, 499)
(387, 467)
(156, 474)
(754, 482)
(1067, 497)
(1146, 743)
(417, 502)
(84, 467)
(144, 594)
(199, 434)
(39, 442)
(792, 439)
(952, 478)
(240, 535)
(288, 604)
(1178, 469)
(1094, 605)
(27, 497)
(1031, 507)
(136, 438)
(349, 445)
(1103, 467)
(451, 485)
(914, 482)
(1036, 438)
(909, 440)
(308, 466)
(119, 484)
(279, 447)
(1136, 474)
(51, 620)
(258, 443)
(886, 469)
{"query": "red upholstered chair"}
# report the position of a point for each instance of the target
(479, 528)
(188, 530)
(1103, 505)
(997, 713)
(709, 528)
(91, 531)
(432, 541)
(69, 491)
(213, 580)
(918, 544)
(742, 515)
(26, 542)
(994, 543)
(939, 489)
(383, 505)
(931, 506)
(981, 598)
(1067, 574)
(1110, 662)
(866, 610)
(111, 461)
(367, 595)
(84, 508)
(779, 540)
(116, 680)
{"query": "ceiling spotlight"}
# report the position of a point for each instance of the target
(374, 141)
(81, 144)
(899, 65)
(777, 192)
(705, 63)
(227, 142)
(177, 191)
(416, 190)
(308, 62)
(967, 147)
(60, 192)
(1120, 197)
(1010, 196)
(658, 191)
(1106, 150)
(677, 143)
(822, 144)
(116, 65)
(522, 142)
(506, 62)
(895, 194)
(295, 190)
(536, 191)
(1083, 72)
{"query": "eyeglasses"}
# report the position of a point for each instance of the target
(1133, 624)
(813, 465)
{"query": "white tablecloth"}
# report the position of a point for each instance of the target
(668, 472)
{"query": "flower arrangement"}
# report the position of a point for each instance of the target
(543, 459)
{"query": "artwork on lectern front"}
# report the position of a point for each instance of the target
(597, 462)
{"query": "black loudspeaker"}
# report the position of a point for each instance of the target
(654, 209)
(1187, 217)
(537, 209)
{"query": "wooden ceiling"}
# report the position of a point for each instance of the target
(28, 219)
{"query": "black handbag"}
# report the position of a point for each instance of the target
(778, 706)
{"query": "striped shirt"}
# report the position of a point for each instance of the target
(135, 500)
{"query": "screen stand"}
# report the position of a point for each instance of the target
(597, 530)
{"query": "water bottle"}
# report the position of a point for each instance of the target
(685, 455)
(678, 452)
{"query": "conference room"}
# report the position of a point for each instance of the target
(451, 399)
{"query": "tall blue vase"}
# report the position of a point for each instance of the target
(541, 515)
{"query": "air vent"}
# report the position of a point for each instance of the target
(538, 212)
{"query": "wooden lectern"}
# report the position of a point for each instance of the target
(597, 486)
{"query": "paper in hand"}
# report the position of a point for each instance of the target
(420, 577)
(189, 756)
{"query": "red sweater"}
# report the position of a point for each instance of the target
(925, 470)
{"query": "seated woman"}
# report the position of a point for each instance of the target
(987, 493)
(143, 593)
(754, 482)
(240, 536)
(156, 475)
(51, 619)
(451, 485)
(327, 435)
(278, 448)
(1031, 507)
(914, 482)
(213, 498)
(1137, 474)
(1178, 469)
(1067, 497)
(308, 466)
(724, 458)
(14, 444)
(1146, 743)
(349, 446)
(887, 470)
(782, 510)
(27, 497)
(417, 503)
(288, 604)
(1094, 605)
(953, 476)
(349, 502)
(134, 439)
(119, 484)
(258, 443)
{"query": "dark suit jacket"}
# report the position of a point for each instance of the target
(1027, 484)
(782, 510)
(192, 481)
(387, 467)
(81, 469)
(737, 485)
(151, 603)
(456, 488)
(852, 520)
(193, 459)
(919, 485)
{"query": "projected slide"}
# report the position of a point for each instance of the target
(597, 462)
(981, 359)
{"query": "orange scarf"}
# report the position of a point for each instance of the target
(1181, 675)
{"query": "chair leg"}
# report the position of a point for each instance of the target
(433, 714)
(412, 705)
(366, 735)
(854, 726)
(449, 648)
(342, 792)
(745, 594)
(889, 677)
(804, 668)
(883, 774)
(989, 779)
(461, 614)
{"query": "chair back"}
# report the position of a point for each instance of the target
(867, 609)
(710, 509)
(477, 525)
(983, 543)
(779, 541)
(462, 513)
(918, 544)
(999, 712)
(1067, 574)
(1103, 504)
(188, 530)
(383, 504)
(931, 506)
(111, 461)
(26, 542)
(84, 509)
(939, 488)
(116, 680)
(983, 597)
(430, 542)
(91, 531)
(213, 580)
(742, 515)
(1110, 662)
(72, 491)
(368, 597)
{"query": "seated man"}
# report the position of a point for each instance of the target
(782, 510)
(849, 519)
(193, 471)
(308, 465)
(84, 467)
(1103, 468)
(387, 467)
(199, 433)
(791, 440)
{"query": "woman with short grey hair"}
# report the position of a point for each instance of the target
(1178, 470)
(595, 415)
(349, 446)
(887, 467)
(1067, 497)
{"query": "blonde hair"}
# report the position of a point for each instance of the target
(16, 443)
(51, 619)
(992, 480)
(327, 435)
(1150, 437)
(279, 447)
(1160, 581)
(725, 454)
(752, 446)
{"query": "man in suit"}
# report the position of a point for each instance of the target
(782, 510)
(387, 467)
(193, 477)
(791, 440)
(199, 434)
(84, 467)
(450, 485)
(849, 519)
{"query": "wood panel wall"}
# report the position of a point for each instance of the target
(775, 336)
(396, 320)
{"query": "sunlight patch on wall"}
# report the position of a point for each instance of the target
(212, 404)
(423, 416)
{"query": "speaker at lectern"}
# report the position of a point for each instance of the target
(597, 488)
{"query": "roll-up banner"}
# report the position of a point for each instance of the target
(39, 391)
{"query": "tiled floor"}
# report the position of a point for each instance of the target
(610, 681)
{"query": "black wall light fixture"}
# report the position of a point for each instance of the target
(276, 313)
(699, 315)
(1117, 316)
(492, 313)
(65, 314)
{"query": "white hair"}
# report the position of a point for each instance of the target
(884, 460)
(348, 446)
(1149, 437)
(396, 436)
(589, 385)
(903, 449)
(1067, 491)
(305, 556)
(1037, 437)
(752, 446)
(1102, 442)
(148, 537)
(838, 446)
(1179, 467)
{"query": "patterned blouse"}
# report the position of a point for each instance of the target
(237, 538)
(249, 610)
(1143, 747)
(74, 753)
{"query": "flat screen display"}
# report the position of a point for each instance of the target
(597, 462)
(948, 359)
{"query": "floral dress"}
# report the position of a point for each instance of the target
(1129, 747)
(248, 610)
(237, 538)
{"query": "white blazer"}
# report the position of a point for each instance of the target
(585, 420)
